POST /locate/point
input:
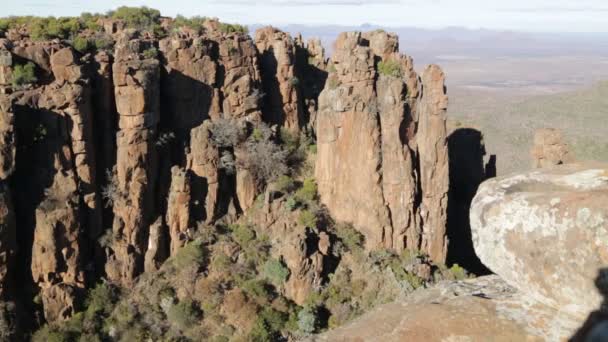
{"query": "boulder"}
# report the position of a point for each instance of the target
(545, 233)
(550, 148)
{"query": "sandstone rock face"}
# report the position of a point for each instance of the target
(178, 208)
(277, 60)
(373, 127)
(550, 149)
(137, 94)
(546, 233)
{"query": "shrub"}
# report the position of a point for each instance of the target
(142, 18)
(291, 204)
(103, 43)
(191, 254)
(458, 272)
(294, 81)
(227, 162)
(276, 271)
(233, 28)
(225, 133)
(308, 321)
(389, 68)
(263, 157)
(285, 184)
(81, 44)
(308, 191)
(307, 219)
(101, 299)
(150, 53)
(24, 74)
(257, 289)
(112, 193)
(183, 314)
(268, 324)
(242, 234)
(194, 23)
(351, 238)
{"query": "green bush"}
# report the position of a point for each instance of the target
(24, 74)
(150, 53)
(81, 44)
(458, 272)
(242, 234)
(294, 81)
(142, 18)
(276, 271)
(291, 204)
(257, 289)
(194, 23)
(285, 184)
(308, 320)
(352, 239)
(389, 68)
(184, 314)
(192, 253)
(103, 43)
(101, 299)
(233, 28)
(308, 191)
(268, 324)
(307, 219)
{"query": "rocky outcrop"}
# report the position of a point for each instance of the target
(550, 149)
(431, 139)
(538, 293)
(382, 150)
(514, 219)
(281, 84)
(203, 161)
(136, 87)
(178, 208)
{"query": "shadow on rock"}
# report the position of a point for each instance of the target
(595, 328)
(467, 171)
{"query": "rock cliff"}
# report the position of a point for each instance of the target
(382, 159)
(116, 160)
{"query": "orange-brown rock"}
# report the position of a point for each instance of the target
(281, 84)
(178, 208)
(431, 140)
(550, 149)
(382, 160)
(203, 161)
(137, 93)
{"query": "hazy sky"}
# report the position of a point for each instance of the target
(525, 15)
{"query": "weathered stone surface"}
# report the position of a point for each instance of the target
(187, 84)
(203, 161)
(281, 84)
(137, 92)
(382, 161)
(545, 233)
(157, 246)
(178, 208)
(550, 149)
(431, 139)
(483, 309)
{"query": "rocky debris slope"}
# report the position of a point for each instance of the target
(544, 235)
(550, 149)
(382, 151)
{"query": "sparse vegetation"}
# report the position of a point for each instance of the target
(275, 271)
(142, 18)
(150, 53)
(389, 68)
(308, 219)
(24, 74)
(233, 28)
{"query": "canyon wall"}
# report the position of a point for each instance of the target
(107, 160)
